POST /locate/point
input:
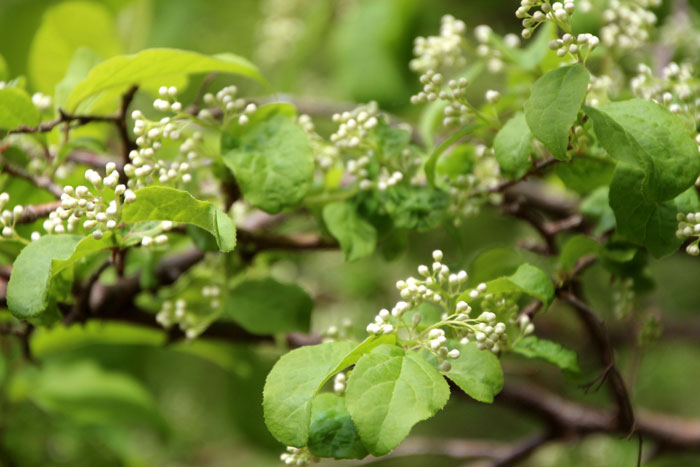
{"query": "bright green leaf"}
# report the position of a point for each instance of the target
(477, 372)
(64, 29)
(585, 173)
(552, 352)
(265, 306)
(553, 106)
(28, 288)
(271, 160)
(646, 136)
(16, 109)
(84, 59)
(125, 70)
(576, 248)
(512, 147)
(356, 236)
(332, 432)
(527, 279)
(291, 386)
(159, 203)
(388, 392)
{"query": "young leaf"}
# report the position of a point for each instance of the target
(527, 279)
(512, 147)
(271, 160)
(553, 106)
(388, 392)
(477, 372)
(291, 386)
(332, 432)
(28, 287)
(552, 352)
(265, 306)
(356, 236)
(125, 70)
(646, 136)
(64, 28)
(16, 109)
(576, 248)
(159, 203)
(585, 173)
(85, 247)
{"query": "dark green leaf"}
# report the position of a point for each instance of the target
(356, 236)
(477, 372)
(512, 147)
(332, 432)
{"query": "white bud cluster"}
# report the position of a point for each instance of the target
(213, 292)
(355, 125)
(8, 218)
(486, 50)
(436, 345)
(558, 13)
(326, 155)
(41, 101)
(678, 90)
(339, 383)
(297, 456)
(628, 23)
(280, 29)
(689, 227)
(82, 202)
(145, 167)
(167, 102)
(446, 50)
(598, 90)
(623, 297)
(176, 314)
(574, 45)
(525, 325)
(469, 192)
(387, 180)
(230, 106)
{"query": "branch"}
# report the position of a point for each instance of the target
(127, 98)
(536, 170)
(64, 117)
(257, 242)
(41, 182)
(37, 211)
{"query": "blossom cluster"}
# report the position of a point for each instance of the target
(8, 218)
(297, 456)
(689, 228)
(99, 203)
(443, 51)
(628, 23)
(191, 323)
(677, 89)
(231, 107)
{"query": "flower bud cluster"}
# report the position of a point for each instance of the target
(167, 102)
(191, 323)
(155, 237)
(436, 345)
(468, 192)
(91, 204)
(525, 325)
(628, 23)
(298, 456)
(444, 51)
(678, 90)
(623, 297)
(486, 50)
(598, 90)
(230, 106)
(145, 167)
(355, 126)
(280, 29)
(8, 218)
(334, 333)
(326, 155)
(41, 101)
(689, 227)
(558, 13)
(339, 383)
(581, 44)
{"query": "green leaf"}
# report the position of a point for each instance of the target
(512, 147)
(493, 263)
(477, 372)
(597, 207)
(85, 247)
(415, 207)
(84, 59)
(291, 386)
(332, 432)
(552, 352)
(553, 106)
(159, 203)
(89, 395)
(585, 173)
(651, 224)
(150, 64)
(356, 236)
(265, 306)
(65, 28)
(271, 160)
(388, 392)
(16, 109)
(28, 288)
(527, 279)
(646, 136)
(576, 248)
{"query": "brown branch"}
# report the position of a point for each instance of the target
(257, 242)
(598, 333)
(37, 211)
(536, 170)
(128, 145)
(91, 159)
(64, 117)
(41, 182)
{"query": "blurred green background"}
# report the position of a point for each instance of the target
(199, 405)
